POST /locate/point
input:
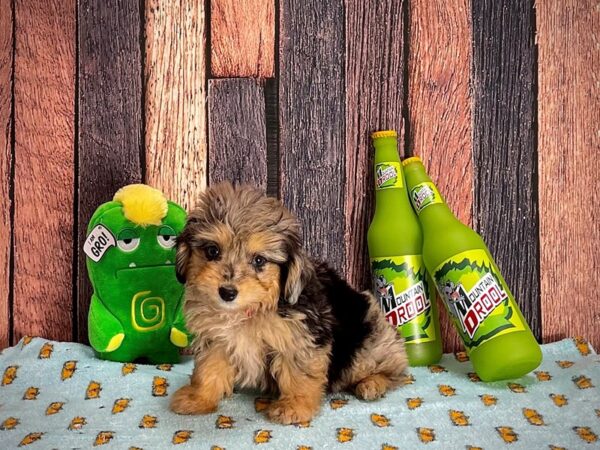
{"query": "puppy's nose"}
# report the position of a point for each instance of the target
(228, 293)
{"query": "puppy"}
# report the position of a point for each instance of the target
(265, 316)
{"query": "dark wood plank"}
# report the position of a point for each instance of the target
(44, 94)
(504, 152)
(237, 132)
(569, 114)
(242, 38)
(6, 156)
(374, 101)
(110, 115)
(175, 98)
(312, 122)
(272, 125)
(439, 107)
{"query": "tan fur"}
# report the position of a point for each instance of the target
(301, 386)
(246, 342)
(212, 380)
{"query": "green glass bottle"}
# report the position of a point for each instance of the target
(497, 338)
(400, 281)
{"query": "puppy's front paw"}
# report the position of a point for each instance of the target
(188, 400)
(289, 411)
(372, 387)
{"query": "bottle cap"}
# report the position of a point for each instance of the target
(412, 159)
(384, 134)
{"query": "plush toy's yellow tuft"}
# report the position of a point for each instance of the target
(142, 204)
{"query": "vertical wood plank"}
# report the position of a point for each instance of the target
(175, 98)
(242, 38)
(569, 143)
(439, 108)
(504, 152)
(272, 125)
(110, 117)
(44, 168)
(312, 122)
(6, 155)
(237, 132)
(374, 101)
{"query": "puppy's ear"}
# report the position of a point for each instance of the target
(299, 270)
(183, 256)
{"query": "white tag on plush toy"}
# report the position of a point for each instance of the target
(98, 242)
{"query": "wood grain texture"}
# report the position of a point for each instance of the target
(6, 155)
(569, 143)
(504, 151)
(312, 122)
(175, 99)
(44, 95)
(439, 109)
(237, 132)
(374, 100)
(242, 38)
(110, 115)
(272, 126)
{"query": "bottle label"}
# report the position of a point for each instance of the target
(423, 195)
(479, 303)
(404, 292)
(388, 175)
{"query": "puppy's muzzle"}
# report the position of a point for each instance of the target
(228, 293)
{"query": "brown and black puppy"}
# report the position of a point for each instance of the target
(266, 316)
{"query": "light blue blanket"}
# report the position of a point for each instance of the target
(58, 395)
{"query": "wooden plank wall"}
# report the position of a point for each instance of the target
(504, 144)
(284, 95)
(374, 101)
(43, 168)
(175, 95)
(242, 38)
(569, 147)
(312, 122)
(6, 113)
(237, 131)
(110, 145)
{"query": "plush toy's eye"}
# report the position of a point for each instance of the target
(166, 237)
(128, 240)
(129, 244)
(166, 241)
(258, 262)
(212, 252)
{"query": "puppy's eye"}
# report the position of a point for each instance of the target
(258, 262)
(212, 252)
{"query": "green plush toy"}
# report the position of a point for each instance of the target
(136, 307)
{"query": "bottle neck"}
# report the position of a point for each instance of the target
(392, 200)
(386, 149)
(390, 185)
(427, 201)
(436, 215)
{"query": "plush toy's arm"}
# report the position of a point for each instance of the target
(179, 335)
(104, 329)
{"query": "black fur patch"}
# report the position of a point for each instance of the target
(313, 303)
(350, 328)
(335, 313)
